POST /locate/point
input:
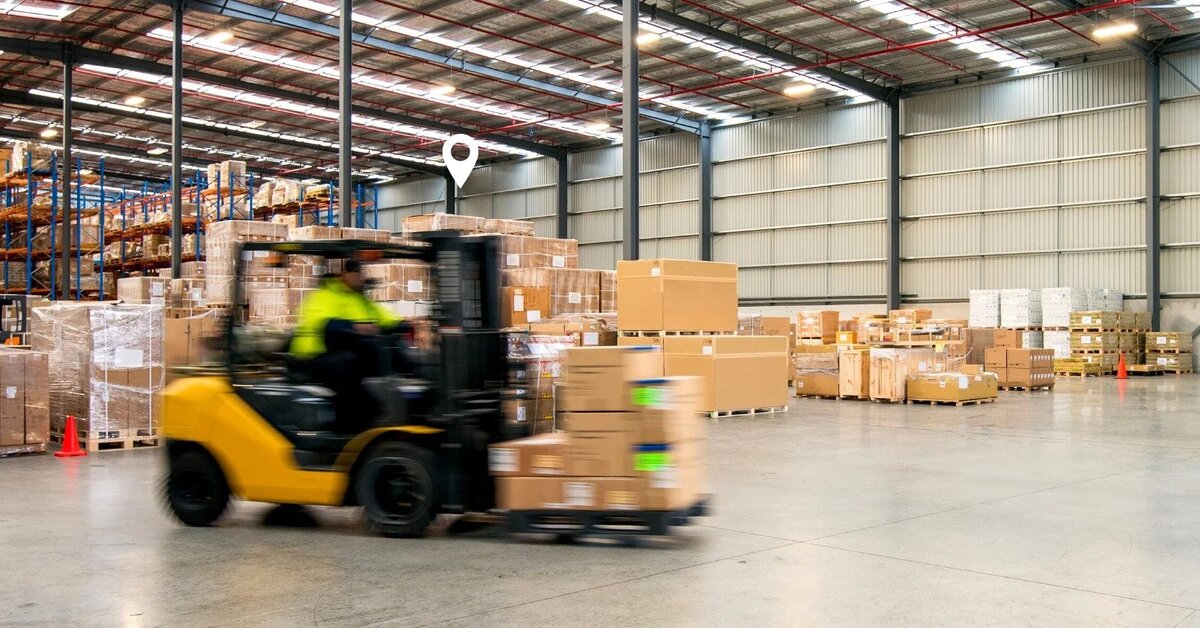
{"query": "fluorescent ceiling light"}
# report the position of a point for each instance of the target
(38, 11)
(442, 90)
(158, 150)
(254, 124)
(1116, 29)
(220, 37)
(599, 125)
(796, 90)
(646, 38)
(48, 134)
(135, 101)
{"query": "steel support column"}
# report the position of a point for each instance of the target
(177, 140)
(345, 104)
(630, 193)
(451, 194)
(893, 204)
(706, 200)
(562, 207)
(68, 229)
(1153, 195)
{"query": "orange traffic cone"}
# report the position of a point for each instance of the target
(1122, 373)
(70, 446)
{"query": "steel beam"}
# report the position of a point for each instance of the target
(562, 208)
(863, 86)
(269, 15)
(25, 99)
(345, 103)
(893, 207)
(451, 194)
(177, 139)
(630, 164)
(706, 192)
(67, 162)
(1135, 43)
(1153, 194)
(49, 52)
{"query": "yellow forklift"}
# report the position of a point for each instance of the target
(259, 429)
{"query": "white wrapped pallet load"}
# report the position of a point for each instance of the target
(985, 308)
(1114, 300)
(1060, 341)
(1020, 307)
(1058, 303)
(1095, 301)
(1032, 340)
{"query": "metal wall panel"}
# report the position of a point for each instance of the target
(1180, 170)
(1019, 271)
(801, 281)
(744, 212)
(1179, 122)
(750, 248)
(797, 207)
(932, 237)
(1027, 186)
(1122, 270)
(672, 248)
(867, 277)
(948, 278)
(1175, 278)
(942, 151)
(857, 123)
(1021, 142)
(1174, 85)
(1103, 179)
(669, 151)
(858, 201)
(1100, 132)
(1181, 213)
(1099, 226)
(602, 256)
(927, 196)
(603, 162)
(1181, 222)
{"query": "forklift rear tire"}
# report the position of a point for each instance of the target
(196, 490)
(397, 488)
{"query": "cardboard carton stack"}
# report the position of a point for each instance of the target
(984, 308)
(1058, 303)
(522, 306)
(223, 241)
(817, 327)
(143, 290)
(399, 281)
(1095, 340)
(815, 370)
(106, 366)
(24, 401)
(191, 339)
(633, 441)
(583, 330)
(738, 372)
(664, 295)
(1170, 350)
(1027, 369)
(535, 366)
(1020, 308)
(516, 251)
(608, 291)
(572, 290)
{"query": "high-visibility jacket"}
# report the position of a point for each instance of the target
(334, 300)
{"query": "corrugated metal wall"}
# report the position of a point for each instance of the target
(522, 189)
(800, 203)
(418, 195)
(1181, 174)
(1030, 182)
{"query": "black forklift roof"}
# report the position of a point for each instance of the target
(344, 249)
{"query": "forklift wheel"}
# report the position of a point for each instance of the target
(196, 490)
(396, 488)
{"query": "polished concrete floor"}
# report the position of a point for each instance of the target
(1079, 507)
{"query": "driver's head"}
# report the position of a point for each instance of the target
(352, 275)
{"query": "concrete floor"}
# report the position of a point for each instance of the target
(1077, 507)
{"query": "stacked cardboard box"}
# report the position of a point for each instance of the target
(24, 401)
(227, 173)
(516, 251)
(106, 366)
(1095, 338)
(535, 365)
(1058, 341)
(608, 291)
(759, 325)
(1171, 350)
(315, 232)
(676, 295)
(29, 155)
(186, 293)
(738, 372)
(86, 238)
(815, 370)
(817, 327)
(1020, 308)
(572, 290)
(370, 235)
(634, 442)
(143, 290)
(523, 305)
(969, 384)
(584, 330)
(270, 306)
(984, 308)
(190, 339)
(399, 281)
(223, 242)
(1022, 368)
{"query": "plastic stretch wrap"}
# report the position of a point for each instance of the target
(508, 227)
(370, 235)
(315, 232)
(572, 290)
(270, 306)
(439, 222)
(187, 292)
(528, 252)
(399, 281)
(535, 364)
(223, 241)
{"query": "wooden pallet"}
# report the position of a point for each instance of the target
(1177, 371)
(118, 440)
(1046, 387)
(658, 333)
(720, 414)
(1165, 350)
(817, 396)
(20, 450)
(944, 402)
(853, 397)
(1082, 373)
(887, 400)
(1094, 330)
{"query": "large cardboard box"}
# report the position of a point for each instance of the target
(890, 369)
(190, 340)
(1027, 377)
(601, 453)
(521, 306)
(822, 325)
(808, 358)
(977, 341)
(817, 384)
(598, 378)
(542, 454)
(854, 373)
(1037, 359)
(996, 357)
(1095, 319)
(677, 295)
(572, 290)
(585, 330)
(672, 479)
(12, 398)
(668, 410)
(572, 493)
(740, 372)
(909, 317)
(758, 325)
(952, 386)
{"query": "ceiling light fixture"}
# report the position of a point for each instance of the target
(254, 124)
(135, 101)
(157, 150)
(646, 38)
(48, 133)
(1114, 30)
(444, 89)
(220, 37)
(796, 90)
(598, 126)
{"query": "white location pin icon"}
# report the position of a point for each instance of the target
(460, 169)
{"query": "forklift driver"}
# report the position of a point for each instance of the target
(337, 342)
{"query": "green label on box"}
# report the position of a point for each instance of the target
(650, 461)
(651, 396)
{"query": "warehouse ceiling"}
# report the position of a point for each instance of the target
(526, 76)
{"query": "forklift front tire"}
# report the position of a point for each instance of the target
(196, 490)
(397, 488)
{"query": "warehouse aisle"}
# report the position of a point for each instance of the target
(1077, 506)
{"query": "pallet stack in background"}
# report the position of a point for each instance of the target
(24, 406)
(1170, 351)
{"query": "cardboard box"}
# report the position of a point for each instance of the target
(585, 330)
(521, 306)
(572, 290)
(740, 372)
(1001, 373)
(1094, 340)
(847, 337)
(854, 373)
(1095, 320)
(807, 358)
(909, 317)
(668, 410)
(12, 398)
(1168, 341)
(670, 480)
(1171, 360)
(758, 325)
(890, 369)
(143, 290)
(996, 357)
(677, 295)
(977, 341)
(571, 493)
(542, 454)
(1027, 377)
(1037, 359)
(606, 453)
(821, 324)
(952, 386)
(190, 340)
(817, 384)
(1009, 338)
(598, 378)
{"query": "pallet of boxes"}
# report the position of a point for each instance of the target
(630, 461)
(689, 310)
(1170, 351)
(814, 356)
(24, 401)
(1094, 344)
(107, 367)
(923, 360)
(1016, 367)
